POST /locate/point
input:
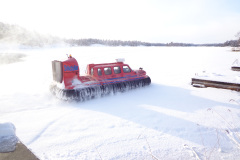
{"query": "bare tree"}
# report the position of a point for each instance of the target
(238, 35)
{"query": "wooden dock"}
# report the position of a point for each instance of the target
(21, 153)
(235, 68)
(236, 49)
(216, 84)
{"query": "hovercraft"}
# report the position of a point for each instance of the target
(100, 79)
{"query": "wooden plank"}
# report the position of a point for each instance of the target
(215, 84)
(235, 68)
(21, 153)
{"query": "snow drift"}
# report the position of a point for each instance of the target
(8, 137)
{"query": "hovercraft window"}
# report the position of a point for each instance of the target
(99, 72)
(117, 70)
(126, 69)
(91, 71)
(107, 71)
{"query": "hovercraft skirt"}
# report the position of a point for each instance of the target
(82, 94)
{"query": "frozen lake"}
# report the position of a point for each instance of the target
(167, 120)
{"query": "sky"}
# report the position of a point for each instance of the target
(162, 21)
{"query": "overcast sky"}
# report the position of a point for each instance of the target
(189, 21)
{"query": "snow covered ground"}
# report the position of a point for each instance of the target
(169, 119)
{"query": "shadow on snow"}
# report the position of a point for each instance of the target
(143, 106)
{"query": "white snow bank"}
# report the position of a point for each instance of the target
(8, 138)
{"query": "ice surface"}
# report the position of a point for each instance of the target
(8, 138)
(157, 120)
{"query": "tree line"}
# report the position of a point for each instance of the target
(233, 43)
(18, 35)
(90, 41)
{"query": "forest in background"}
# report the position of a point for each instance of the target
(14, 34)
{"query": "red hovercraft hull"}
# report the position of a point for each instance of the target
(101, 79)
